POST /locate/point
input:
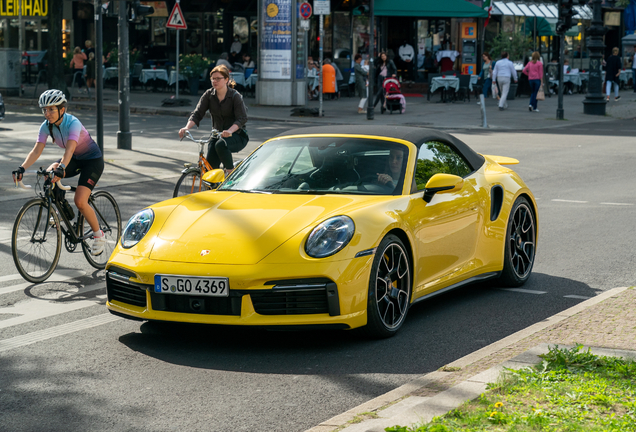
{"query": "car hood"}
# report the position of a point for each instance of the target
(241, 228)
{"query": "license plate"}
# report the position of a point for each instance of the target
(192, 285)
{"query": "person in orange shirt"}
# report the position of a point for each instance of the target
(328, 78)
(77, 64)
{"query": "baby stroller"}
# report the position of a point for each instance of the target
(393, 95)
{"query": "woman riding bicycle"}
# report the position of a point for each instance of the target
(228, 115)
(81, 156)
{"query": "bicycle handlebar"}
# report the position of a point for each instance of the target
(18, 183)
(213, 135)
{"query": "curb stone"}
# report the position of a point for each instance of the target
(464, 389)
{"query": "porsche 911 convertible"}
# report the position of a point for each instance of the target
(337, 227)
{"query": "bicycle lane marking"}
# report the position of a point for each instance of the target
(57, 276)
(64, 329)
(32, 310)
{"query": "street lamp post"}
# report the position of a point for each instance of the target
(594, 103)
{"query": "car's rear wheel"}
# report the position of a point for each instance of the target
(389, 288)
(521, 240)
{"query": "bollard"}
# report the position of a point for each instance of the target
(484, 121)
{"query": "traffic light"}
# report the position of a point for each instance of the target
(566, 12)
(138, 11)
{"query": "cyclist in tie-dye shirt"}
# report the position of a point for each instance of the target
(81, 156)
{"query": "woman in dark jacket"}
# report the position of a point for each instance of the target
(361, 82)
(228, 115)
(612, 74)
(384, 68)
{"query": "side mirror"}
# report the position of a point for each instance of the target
(442, 183)
(214, 177)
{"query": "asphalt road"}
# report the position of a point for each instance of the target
(66, 364)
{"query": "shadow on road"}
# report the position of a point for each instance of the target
(437, 331)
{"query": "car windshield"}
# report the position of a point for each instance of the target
(322, 165)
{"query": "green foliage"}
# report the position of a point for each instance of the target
(443, 160)
(515, 44)
(571, 390)
(193, 65)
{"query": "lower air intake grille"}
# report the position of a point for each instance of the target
(197, 304)
(298, 302)
(126, 292)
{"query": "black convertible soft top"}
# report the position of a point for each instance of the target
(414, 135)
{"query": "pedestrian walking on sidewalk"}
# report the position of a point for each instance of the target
(534, 70)
(612, 74)
(90, 70)
(384, 68)
(486, 74)
(503, 73)
(361, 82)
(228, 115)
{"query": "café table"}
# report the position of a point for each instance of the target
(251, 80)
(238, 77)
(153, 75)
(110, 72)
(445, 82)
(173, 77)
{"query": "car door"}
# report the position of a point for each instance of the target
(445, 228)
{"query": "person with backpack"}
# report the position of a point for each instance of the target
(82, 157)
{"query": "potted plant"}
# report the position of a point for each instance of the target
(192, 66)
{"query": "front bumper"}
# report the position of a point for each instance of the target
(330, 294)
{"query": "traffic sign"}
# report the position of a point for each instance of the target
(305, 10)
(176, 20)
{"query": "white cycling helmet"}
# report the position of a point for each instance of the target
(51, 98)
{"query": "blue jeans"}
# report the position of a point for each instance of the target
(488, 85)
(535, 85)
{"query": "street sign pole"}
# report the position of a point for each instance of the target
(176, 21)
(177, 86)
(99, 74)
(322, 70)
(124, 136)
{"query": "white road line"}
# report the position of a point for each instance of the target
(570, 201)
(32, 310)
(525, 291)
(58, 276)
(64, 329)
(10, 277)
(577, 297)
(618, 204)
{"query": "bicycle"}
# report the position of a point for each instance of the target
(36, 239)
(191, 179)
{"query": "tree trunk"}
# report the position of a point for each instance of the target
(55, 69)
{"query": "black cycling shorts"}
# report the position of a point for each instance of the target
(89, 170)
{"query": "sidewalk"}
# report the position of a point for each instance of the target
(605, 321)
(419, 111)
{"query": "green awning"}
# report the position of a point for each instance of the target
(547, 27)
(428, 8)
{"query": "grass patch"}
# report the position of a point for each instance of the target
(572, 390)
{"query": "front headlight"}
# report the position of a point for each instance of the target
(330, 236)
(137, 227)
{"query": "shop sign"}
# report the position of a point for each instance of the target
(276, 40)
(29, 8)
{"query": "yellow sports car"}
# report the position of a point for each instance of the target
(339, 226)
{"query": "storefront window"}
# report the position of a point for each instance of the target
(159, 31)
(213, 34)
(361, 35)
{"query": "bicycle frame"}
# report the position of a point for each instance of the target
(203, 165)
(69, 231)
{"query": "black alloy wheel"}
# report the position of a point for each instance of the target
(521, 240)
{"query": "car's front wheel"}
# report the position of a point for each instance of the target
(389, 288)
(521, 240)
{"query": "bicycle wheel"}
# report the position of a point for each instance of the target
(36, 242)
(109, 220)
(189, 182)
